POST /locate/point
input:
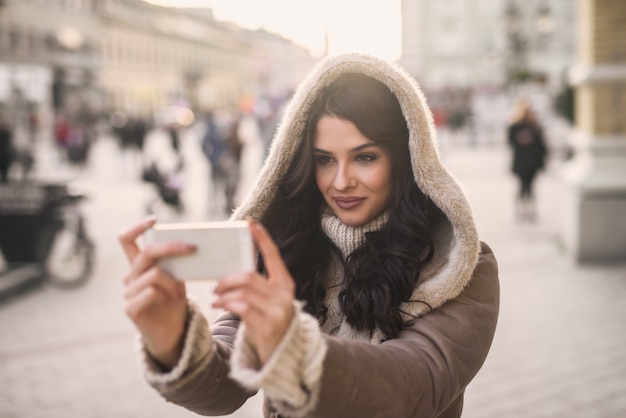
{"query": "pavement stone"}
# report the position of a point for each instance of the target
(559, 350)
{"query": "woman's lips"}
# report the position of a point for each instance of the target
(348, 202)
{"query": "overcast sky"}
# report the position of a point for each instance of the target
(369, 26)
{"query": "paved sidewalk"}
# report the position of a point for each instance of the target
(560, 346)
(559, 351)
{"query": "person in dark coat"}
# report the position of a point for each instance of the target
(7, 153)
(526, 138)
(222, 147)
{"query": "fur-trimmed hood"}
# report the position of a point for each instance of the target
(456, 241)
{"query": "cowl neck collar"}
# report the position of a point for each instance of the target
(348, 238)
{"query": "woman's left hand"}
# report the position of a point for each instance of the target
(264, 305)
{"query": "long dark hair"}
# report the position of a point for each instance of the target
(383, 272)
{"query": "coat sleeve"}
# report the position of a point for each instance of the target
(423, 371)
(200, 381)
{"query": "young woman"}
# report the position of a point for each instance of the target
(525, 136)
(374, 296)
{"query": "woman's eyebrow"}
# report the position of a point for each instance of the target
(364, 146)
(352, 150)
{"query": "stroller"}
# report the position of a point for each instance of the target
(168, 186)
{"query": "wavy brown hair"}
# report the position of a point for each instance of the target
(382, 273)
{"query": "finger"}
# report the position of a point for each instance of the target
(250, 281)
(255, 311)
(151, 254)
(128, 238)
(272, 305)
(276, 269)
(242, 302)
(154, 277)
(148, 297)
(243, 297)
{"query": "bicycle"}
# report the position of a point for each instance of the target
(43, 237)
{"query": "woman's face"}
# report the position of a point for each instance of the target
(352, 172)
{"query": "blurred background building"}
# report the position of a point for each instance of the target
(473, 43)
(129, 55)
(475, 58)
(86, 59)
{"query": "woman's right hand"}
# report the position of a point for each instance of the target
(154, 301)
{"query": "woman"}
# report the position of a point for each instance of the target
(375, 297)
(525, 137)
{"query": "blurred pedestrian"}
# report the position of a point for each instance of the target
(222, 148)
(61, 132)
(526, 139)
(253, 146)
(174, 134)
(131, 131)
(33, 123)
(78, 145)
(7, 151)
(373, 295)
(269, 123)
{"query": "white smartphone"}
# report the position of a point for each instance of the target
(222, 248)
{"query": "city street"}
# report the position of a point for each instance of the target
(559, 351)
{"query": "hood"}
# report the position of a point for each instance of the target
(456, 240)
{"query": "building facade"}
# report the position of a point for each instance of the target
(136, 57)
(469, 43)
(43, 59)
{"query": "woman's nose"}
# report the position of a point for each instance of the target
(344, 178)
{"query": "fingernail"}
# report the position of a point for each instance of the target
(149, 220)
(185, 246)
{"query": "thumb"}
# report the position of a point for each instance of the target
(276, 270)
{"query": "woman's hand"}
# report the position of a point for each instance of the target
(264, 305)
(155, 302)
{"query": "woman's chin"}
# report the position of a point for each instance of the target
(352, 219)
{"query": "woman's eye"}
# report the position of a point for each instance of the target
(365, 158)
(323, 159)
